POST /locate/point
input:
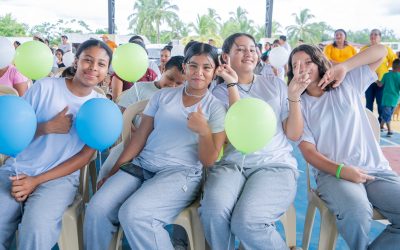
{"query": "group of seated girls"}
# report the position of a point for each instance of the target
(182, 132)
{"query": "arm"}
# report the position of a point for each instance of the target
(210, 144)
(25, 185)
(136, 143)
(21, 87)
(318, 160)
(293, 125)
(371, 56)
(116, 87)
(225, 71)
(59, 124)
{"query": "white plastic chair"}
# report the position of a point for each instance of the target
(188, 218)
(328, 231)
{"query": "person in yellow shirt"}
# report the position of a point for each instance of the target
(109, 42)
(340, 50)
(375, 90)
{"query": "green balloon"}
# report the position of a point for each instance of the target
(130, 62)
(34, 59)
(250, 124)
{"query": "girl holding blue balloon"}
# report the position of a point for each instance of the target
(245, 196)
(47, 170)
(182, 130)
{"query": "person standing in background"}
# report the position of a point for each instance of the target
(375, 90)
(340, 50)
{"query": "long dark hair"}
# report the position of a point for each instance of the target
(345, 38)
(71, 70)
(317, 57)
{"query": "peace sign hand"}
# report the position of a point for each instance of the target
(225, 71)
(299, 83)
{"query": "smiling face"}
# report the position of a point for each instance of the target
(199, 71)
(303, 60)
(243, 55)
(340, 37)
(92, 66)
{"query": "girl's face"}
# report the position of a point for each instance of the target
(306, 65)
(199, 71)
(92, 66)
(59, 55)
(340, 37)
(243, 55)
(165, 55)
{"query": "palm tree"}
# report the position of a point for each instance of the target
(302, 29)
(240, 18)
(148, 16)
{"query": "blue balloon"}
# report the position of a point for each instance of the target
(17, 124)
(99, 123)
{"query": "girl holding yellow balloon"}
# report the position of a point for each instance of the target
(251, 187)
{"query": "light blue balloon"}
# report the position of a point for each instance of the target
(17, 125)
(99, 123)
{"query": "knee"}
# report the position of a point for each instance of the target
(359, 214)
(131, 214)
(96, 211)
(214, 208)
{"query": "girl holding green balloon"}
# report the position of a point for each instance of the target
(250, 188)
(352, 174)
(182, 130)
(48, 179)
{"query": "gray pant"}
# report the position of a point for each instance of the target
(142, 208)
(40, 223)
(352, 205)
(246, 205)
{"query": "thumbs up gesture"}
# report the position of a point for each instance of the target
(197, 122)
(61, 123)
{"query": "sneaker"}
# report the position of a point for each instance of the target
(389, 134)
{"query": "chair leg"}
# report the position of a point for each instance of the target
(72, 222)
(289, 224)
(116, 242)
(308, 225)
(328, 233)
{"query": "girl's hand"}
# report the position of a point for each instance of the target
(334, 76)
(197, 123)
(22, 187)
(226, 72)
(61, 123)
(299, 83)
(355, 174)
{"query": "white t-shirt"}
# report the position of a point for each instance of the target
(65, 47)
(138, 92)
(267, 71)
(278, 151)
(172, 143)
(48, 97)
(336, 123)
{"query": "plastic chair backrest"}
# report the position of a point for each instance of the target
(373, 121)
(5, 90)
(99, 90)
(130, 113)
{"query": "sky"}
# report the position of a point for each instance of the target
(346, 14)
